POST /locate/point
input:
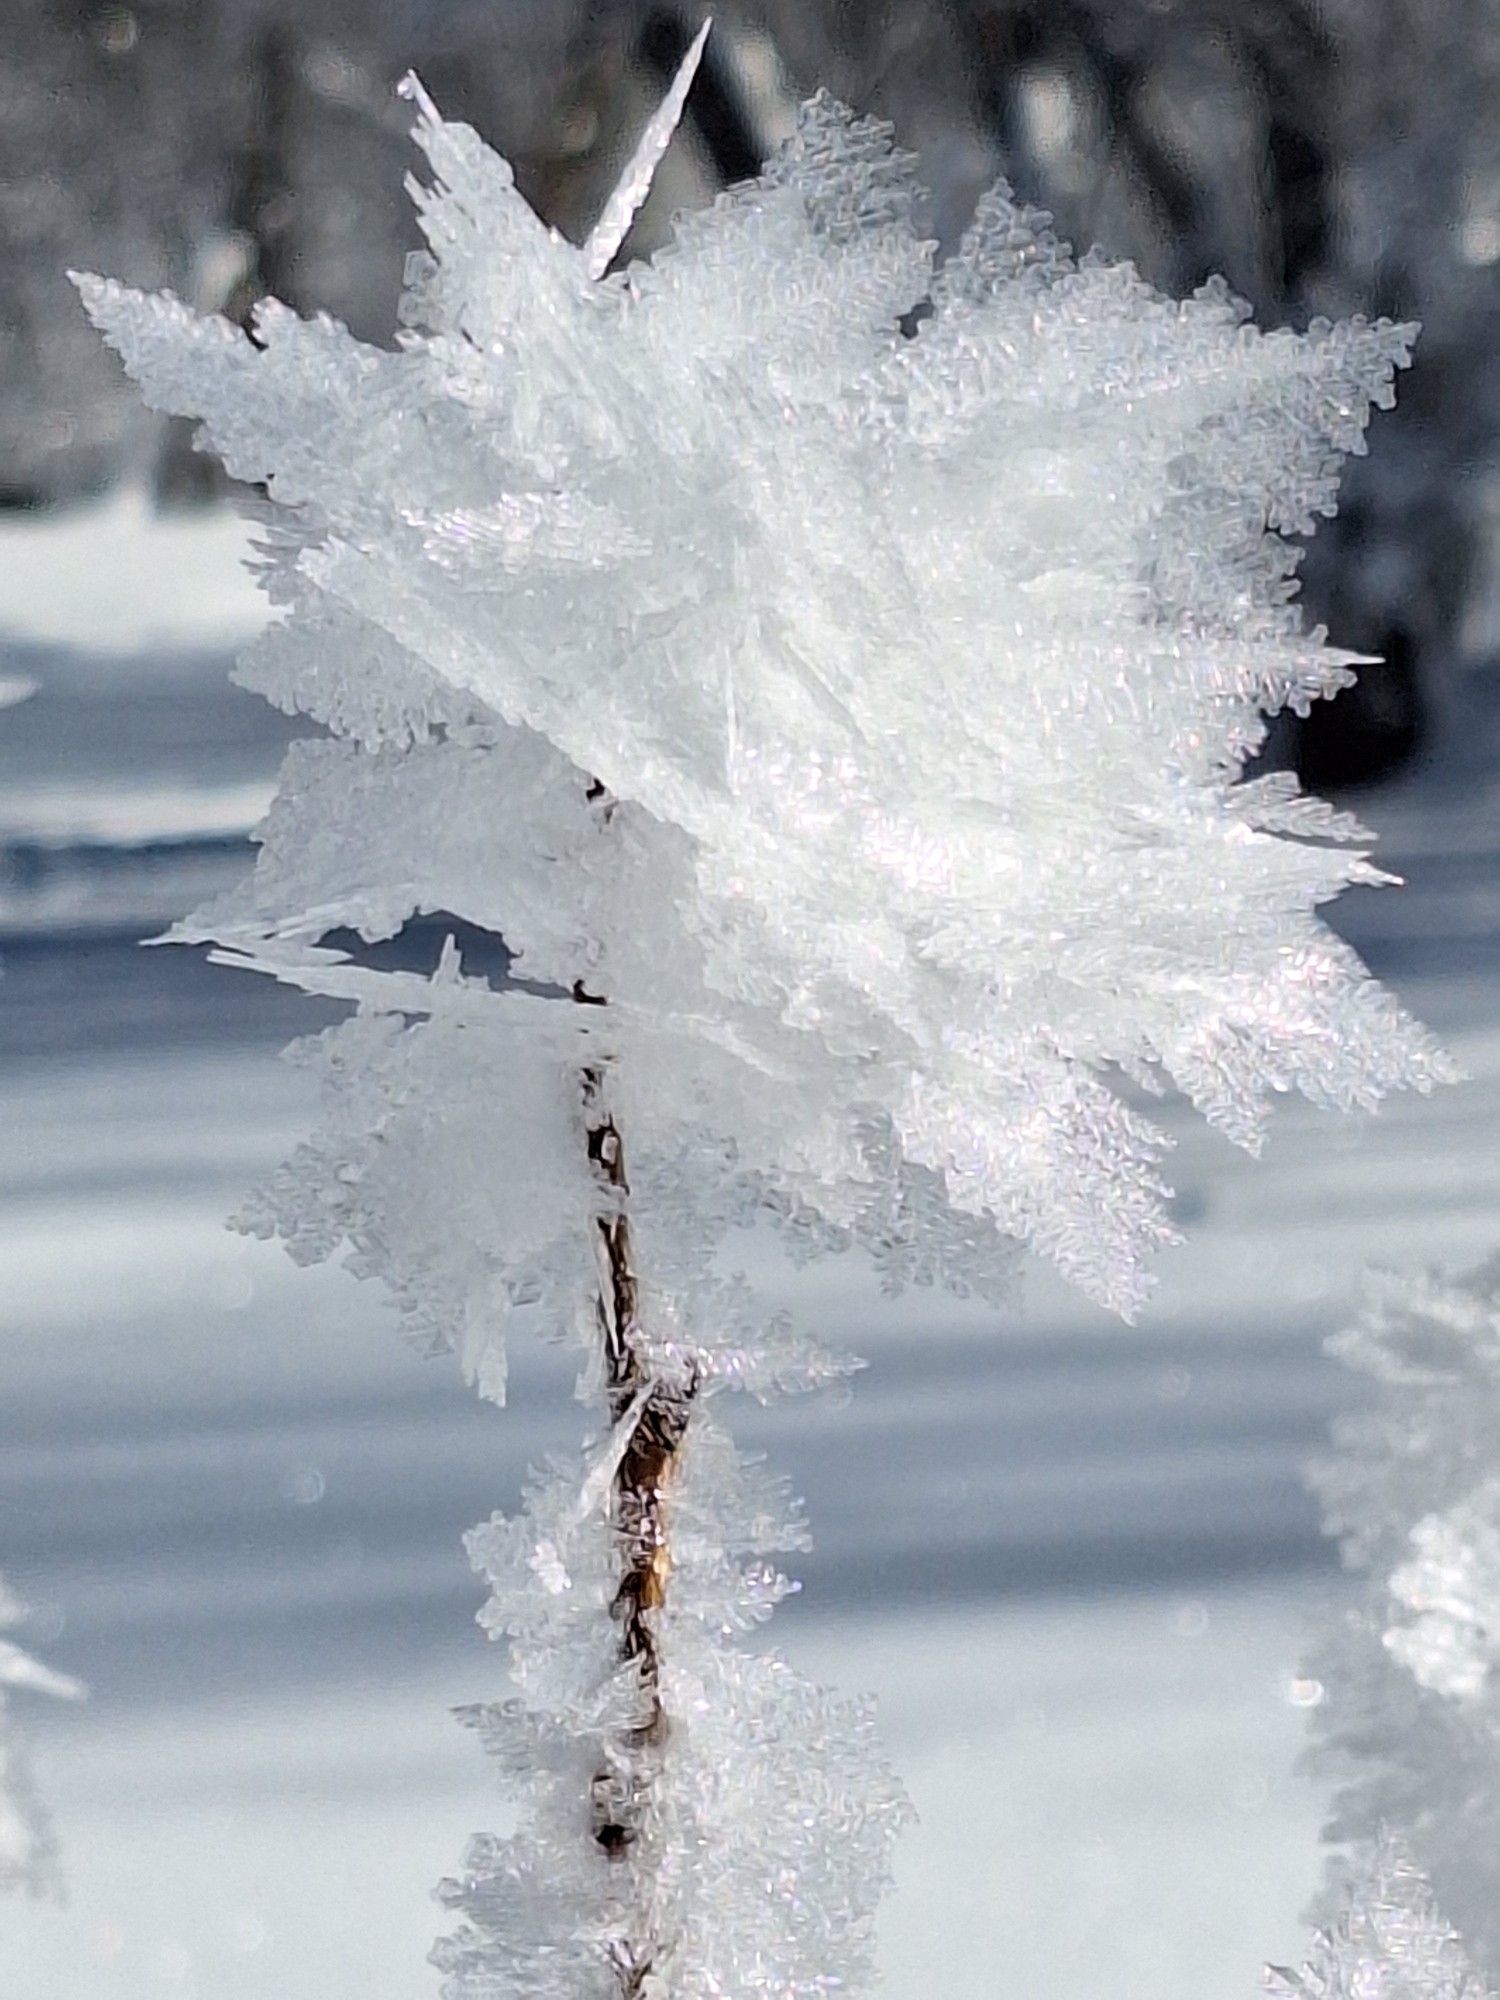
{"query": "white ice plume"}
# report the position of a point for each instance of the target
(920, 672)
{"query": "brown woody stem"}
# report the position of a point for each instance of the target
(638, 1510)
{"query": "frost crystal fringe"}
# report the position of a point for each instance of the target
(697, 1820)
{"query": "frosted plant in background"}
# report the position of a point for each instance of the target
(1450, 1591)
(28, 1852)
(831, 677)
(1390, 1942)
(1410, 1722)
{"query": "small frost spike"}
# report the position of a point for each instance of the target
(613, 226)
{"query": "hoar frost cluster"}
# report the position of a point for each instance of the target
(917, 674)
(831, 675)
(1410, 1726)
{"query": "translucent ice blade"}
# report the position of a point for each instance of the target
(634, 184)
(20, 1670)
(410, 87)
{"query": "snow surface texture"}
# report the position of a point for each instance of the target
(1389, 1943)
(1410, 1724)
(28, 1852)
(911, 677)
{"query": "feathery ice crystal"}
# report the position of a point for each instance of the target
(917, 673)
(831, 676)
(1410, 1725)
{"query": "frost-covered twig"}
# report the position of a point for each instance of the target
(754, 1810)
(652, 1410)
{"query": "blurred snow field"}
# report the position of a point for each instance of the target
(132, 770)
(1072, 1560)
(1129, 1832)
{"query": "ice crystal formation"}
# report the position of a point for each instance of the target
(831, 675)
(1390, 1942)
(1410, 1726)
(917, 673)
(28, 1852)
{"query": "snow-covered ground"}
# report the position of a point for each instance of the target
(1072, 1559)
